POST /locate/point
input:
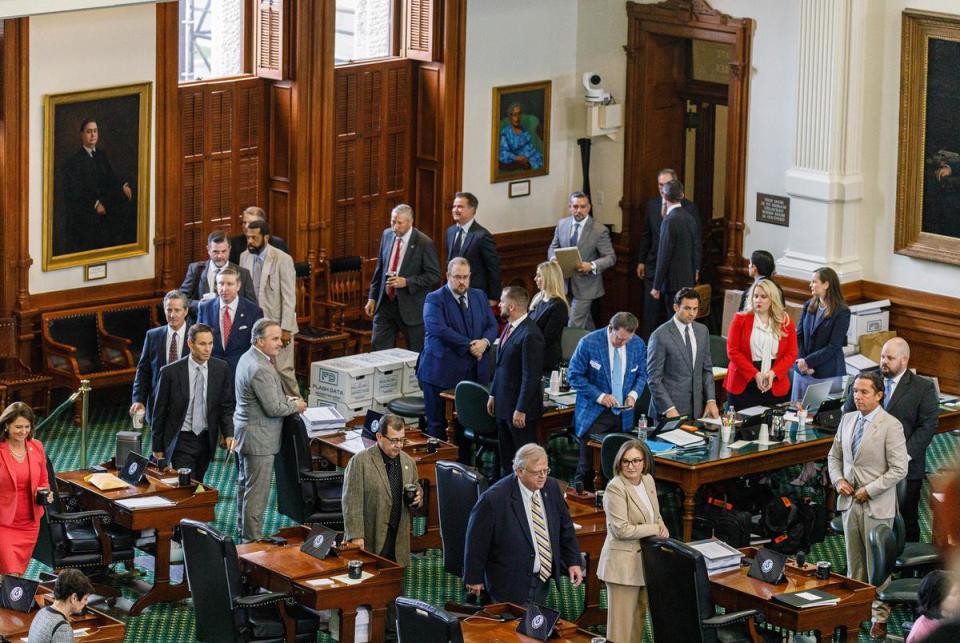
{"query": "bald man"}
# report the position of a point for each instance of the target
(912, 399)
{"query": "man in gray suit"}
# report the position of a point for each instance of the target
(275, 282)
(596, 254)
(679, 367)
(258, 421)
(407, 269)
(867, 460)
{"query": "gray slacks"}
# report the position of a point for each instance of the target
(253, 490)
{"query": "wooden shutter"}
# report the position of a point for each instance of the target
(421, 22)
(272, 38)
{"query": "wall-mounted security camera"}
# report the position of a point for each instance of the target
(595, 93)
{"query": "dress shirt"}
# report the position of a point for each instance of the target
(194, 369)
(181, 337)
(212, 271)
(672, 208)
(763, 343)
(465, 227)
(456, 297)
(403, 250)
(517, 322)
(623, 372)
(233, 313)
(642, 496)
(683, 333)
(849, 457)
(893, 386)
(527, 496)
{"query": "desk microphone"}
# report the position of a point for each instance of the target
(801, 559)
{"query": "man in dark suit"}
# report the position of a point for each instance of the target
(520, 535)
(516, 396)
(231, 317)
(407, 268)
(656, 211)
(679, 368)
(678, 251)
(163, 345)
(194, 406)
(97, 200)
(762, 266)
(200, 282)
(239, 243)
(912, 399)
(460, 329)
(468, 239)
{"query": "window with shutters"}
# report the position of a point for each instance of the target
(213, 38)
(366, 29)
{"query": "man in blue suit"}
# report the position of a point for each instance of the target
(460, 328)
(608, 370)
(163, 345)
(520, 535)
(516, 396)
(231, 317)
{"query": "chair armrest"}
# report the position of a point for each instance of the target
(116, 351)
(731, 618)
(321, 476)
(333, 312)
(96, 515)
(260, 600)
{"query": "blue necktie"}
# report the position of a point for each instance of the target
(616, 377)
(887, 391)
(858, 435)
(576, 235)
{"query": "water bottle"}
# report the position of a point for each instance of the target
(642, 427)
(801, 418)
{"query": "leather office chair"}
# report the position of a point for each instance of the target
(223, 613)
(458, 489)
(303, 494)
(718, 351)
(410, 406)
(883, 546)
(419, 622)
(569, 339)
(914, 557)
(608, 451)
(682, 610)
(479, 426)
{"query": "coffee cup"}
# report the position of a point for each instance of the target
(42, 495)
(183, 477)
(599, 496)
(409, 494)
(355, 569)
(137, 419)
(823, 570)
(432, 445)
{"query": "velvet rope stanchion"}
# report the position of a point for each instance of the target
(84, 390)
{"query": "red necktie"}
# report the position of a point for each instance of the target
(394, 262)
(172, 354)
(506, 333)
(227, 326)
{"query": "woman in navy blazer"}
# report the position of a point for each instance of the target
(822, 333)
(549, 308)
(23, 471)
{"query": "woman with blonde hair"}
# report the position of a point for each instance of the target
(762, 347)
(549, 309)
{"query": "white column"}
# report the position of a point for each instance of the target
(825, 184)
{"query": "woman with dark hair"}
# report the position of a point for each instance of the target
(633, 513)
(23, 472)
(821, 334)
(52, 624)
(938, 600)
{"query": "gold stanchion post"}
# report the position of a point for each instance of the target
(85, 408)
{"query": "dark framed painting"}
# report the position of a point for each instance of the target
(520, 146)
(96, 175)
(928, 166)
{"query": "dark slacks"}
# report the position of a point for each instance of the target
(433, 409)
(606, 422)
(387, 323)
(192, 452)
(510, 438)
(652, 309)
(910, 509)
(751, 396)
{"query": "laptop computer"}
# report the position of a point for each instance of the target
(538, 622)
(815, 395)
(134, 469)
(319, 541)
(18, 593)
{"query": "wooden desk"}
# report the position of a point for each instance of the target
(100, 628)
(591, 530)
(477, 629)
(188, 504)
(284, 568)
(340, 448)
(734, 590)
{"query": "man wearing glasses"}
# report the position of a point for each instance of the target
(520, 535)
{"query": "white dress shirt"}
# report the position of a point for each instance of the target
(683, 333)
(212, 272)
(527, 496)
(893, 386)
(233, 314)
(643, 497)
(181, 336)
(763, 343)
(194, 369)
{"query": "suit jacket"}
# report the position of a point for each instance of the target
(674, 379)
(879, 466)
(173, 400)
(367, 500)
(499, 548)
(261, 405)
(516, 380)
(914, 403)
(650, 237)
(551, 317)
(239, 341)
(153, 357)
(9, 497)
(589, 375)
(195, 284)
(594, 245)
(740, 370)
(821, 345)
(678, 256)
(278, 286)
(446, 358)
(628, 522)
(238, 245)
(420, 267)
(87, 180)
(479, 248)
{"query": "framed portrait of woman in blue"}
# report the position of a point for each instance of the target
(520, 140)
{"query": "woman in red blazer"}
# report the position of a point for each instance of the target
(762, 347)
(23, 472)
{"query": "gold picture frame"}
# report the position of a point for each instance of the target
(96, 204)
(520, 150)
(928, 164)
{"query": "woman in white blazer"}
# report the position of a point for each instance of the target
(633, 513)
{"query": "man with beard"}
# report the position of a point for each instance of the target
(200, 282)
(460, 328)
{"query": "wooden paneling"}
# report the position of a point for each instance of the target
(280, 148)
(428, 98)
(421, 29)
(272, 27)
(520, 253)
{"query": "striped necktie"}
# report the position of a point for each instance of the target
(198, 415)
(887, 391)
(858, 435)
(540, 535)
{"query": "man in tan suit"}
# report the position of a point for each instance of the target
(867, 460)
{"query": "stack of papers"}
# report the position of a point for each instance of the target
(660, 448)
(808, 598)
(718, 555)
(106, 481)
(323, 420)
(681, 438)
(145, 502)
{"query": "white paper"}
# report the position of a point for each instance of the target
(791, 416)
(938, 496)
(807, 596)
(577, 526)
(146, 502)
(680, 438)
(712, 421)
(714, 549)
(346, 580)
(753, 410)
(739, 444)
(322, 415)
(173, 482)
(860, 362)
(353, 445)
(719, 371)
(316, 582)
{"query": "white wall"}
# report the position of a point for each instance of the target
(17, 8)
(510, 42)
(79, 51)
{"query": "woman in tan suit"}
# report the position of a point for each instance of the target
(633, 513)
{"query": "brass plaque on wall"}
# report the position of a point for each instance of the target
(774, 209)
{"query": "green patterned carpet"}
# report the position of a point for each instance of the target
(425, 579)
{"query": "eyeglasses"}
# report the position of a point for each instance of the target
(542, 473)
(632, 462)
(397, 442)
